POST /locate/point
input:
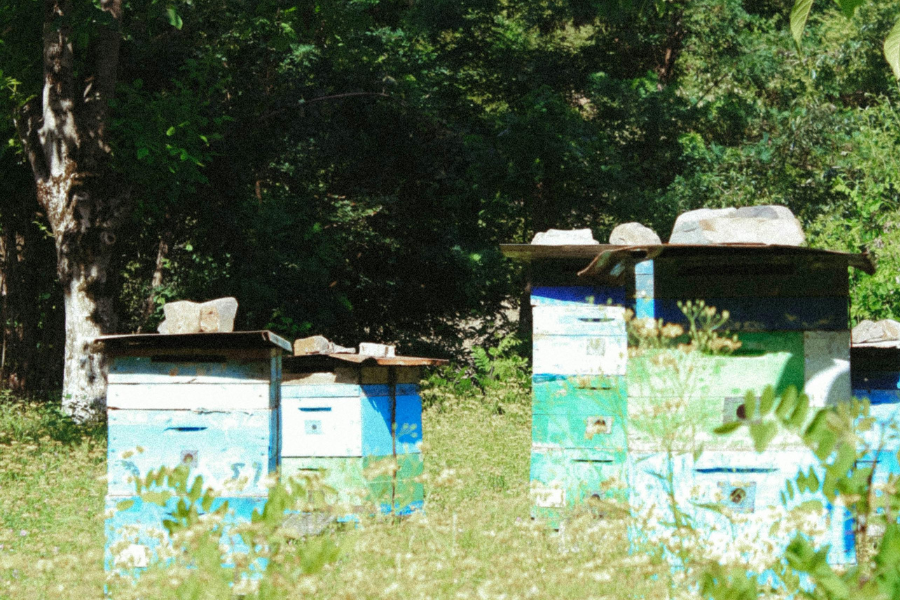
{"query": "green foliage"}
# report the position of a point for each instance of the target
(499, 380)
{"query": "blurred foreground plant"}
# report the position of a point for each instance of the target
(205, 552)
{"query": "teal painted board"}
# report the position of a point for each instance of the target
(562, 478)
(644, 290)
(232, 451)
(588, 395)
(135, 530)
(601, 431)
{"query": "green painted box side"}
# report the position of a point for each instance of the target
(769, 358)
(580, 395)
(563, 479)
(603, 429)
(355, 482)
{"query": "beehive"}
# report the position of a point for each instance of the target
(208, 400)
(633, 422)
(355, 423)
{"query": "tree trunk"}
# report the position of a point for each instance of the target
(64, 136)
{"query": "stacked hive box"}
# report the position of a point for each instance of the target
(876, 376)
(356, 423)
(789, 309)
(207, 400)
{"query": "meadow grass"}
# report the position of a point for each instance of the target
(474, 540)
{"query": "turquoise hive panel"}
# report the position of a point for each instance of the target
(135, 530)
(232, 451)
(559, 394)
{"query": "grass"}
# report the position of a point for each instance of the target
(51, 504)
(475, 539)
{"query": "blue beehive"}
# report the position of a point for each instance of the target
(355, 421)
(640, 419)
(209, 400)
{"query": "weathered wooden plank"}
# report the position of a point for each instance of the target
(345, 375)
(201, 396)
(321, 426)
(578, 295)
(677, 278)
(827, 360)
(580, 355)
(579, 319)
(232, 451)
(579, 395)
(768, 314)
(150, 370)
(135, 531)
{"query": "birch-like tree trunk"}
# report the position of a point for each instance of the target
(64, 135)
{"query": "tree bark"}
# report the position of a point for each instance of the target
(64, 136)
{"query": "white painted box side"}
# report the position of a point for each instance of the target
(199, 396)
(580, 355)
(827, 367)
(321, 427)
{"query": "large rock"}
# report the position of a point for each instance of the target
(868, 332)
(633, 234)
(185, 316)
(747, 225)
(565, 237)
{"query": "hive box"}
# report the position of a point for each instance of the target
(354, 423)
(206, 400)
(597, 390)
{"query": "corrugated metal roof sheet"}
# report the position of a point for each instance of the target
(601, 255)
(235, 340)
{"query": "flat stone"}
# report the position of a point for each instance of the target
(633, 234)
(185, 316)
(748, 225)
(564, 237)
(868, 332)
(316, 344)
(380, 350)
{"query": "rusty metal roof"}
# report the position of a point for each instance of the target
(364, 360)
(601, 255)
(236, 340)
